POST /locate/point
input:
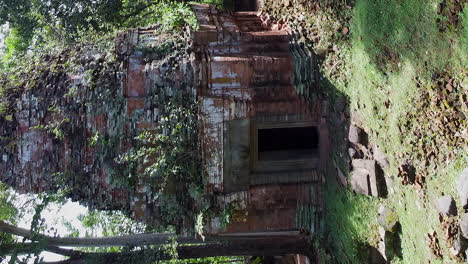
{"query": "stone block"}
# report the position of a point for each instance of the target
(462, 188)
(136, 79)
(464, 225)
(360, 181)
(389, 245)
(366, 178)
(446, 205)
(380, 156)
(356, 135)
(205, 37)
(387, 218)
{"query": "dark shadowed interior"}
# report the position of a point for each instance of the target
(288, 143)
(245, 5)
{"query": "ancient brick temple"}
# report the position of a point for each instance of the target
(262, 129)
(264, 137)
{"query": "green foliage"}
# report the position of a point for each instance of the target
(174, 15)
(168, 158)
(170, 14)
(171, 250)
(109, 223)
(54, 128)
(93, 140)
(15, 43)
(226, 215)
(168, 153)
(173, 148)
(8, 212)
(39, 24)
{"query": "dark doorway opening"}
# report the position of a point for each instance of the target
(245, 5)
(288, 143)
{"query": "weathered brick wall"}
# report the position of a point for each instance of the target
(250, 71)
(77, 111)
(68, 124)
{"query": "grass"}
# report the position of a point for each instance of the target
(395, 49)
(392, 58)
(350, 221)
(399, 31)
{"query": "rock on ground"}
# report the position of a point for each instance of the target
(360, 181)
(387, 218)
(387, 244)
(446, 206)
(464, 225)
(380, 156)
(356, 135)
(367, 179)
(352, 153)
(459, 245)
(462, 187)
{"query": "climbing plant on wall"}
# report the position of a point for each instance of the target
(168, 159)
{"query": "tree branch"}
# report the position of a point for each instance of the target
(253, 247)
(137, 239)
(140, 9)
(25, 248)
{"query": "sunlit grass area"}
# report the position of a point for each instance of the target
(403, 71)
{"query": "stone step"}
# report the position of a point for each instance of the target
(250, 24)
(250, 48)
(271, 58)
(259, 89)
(246, 14)
(264, 36)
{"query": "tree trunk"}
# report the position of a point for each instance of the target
(251, 247)
(240, 244)
(127, 240)
(137, 239)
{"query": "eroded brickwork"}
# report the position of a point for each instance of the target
(250, 73)
(245, 72)
(69, 124)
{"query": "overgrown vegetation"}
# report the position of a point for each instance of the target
(163, 161)
(168, 159)
(40, 26)
(75, 39)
